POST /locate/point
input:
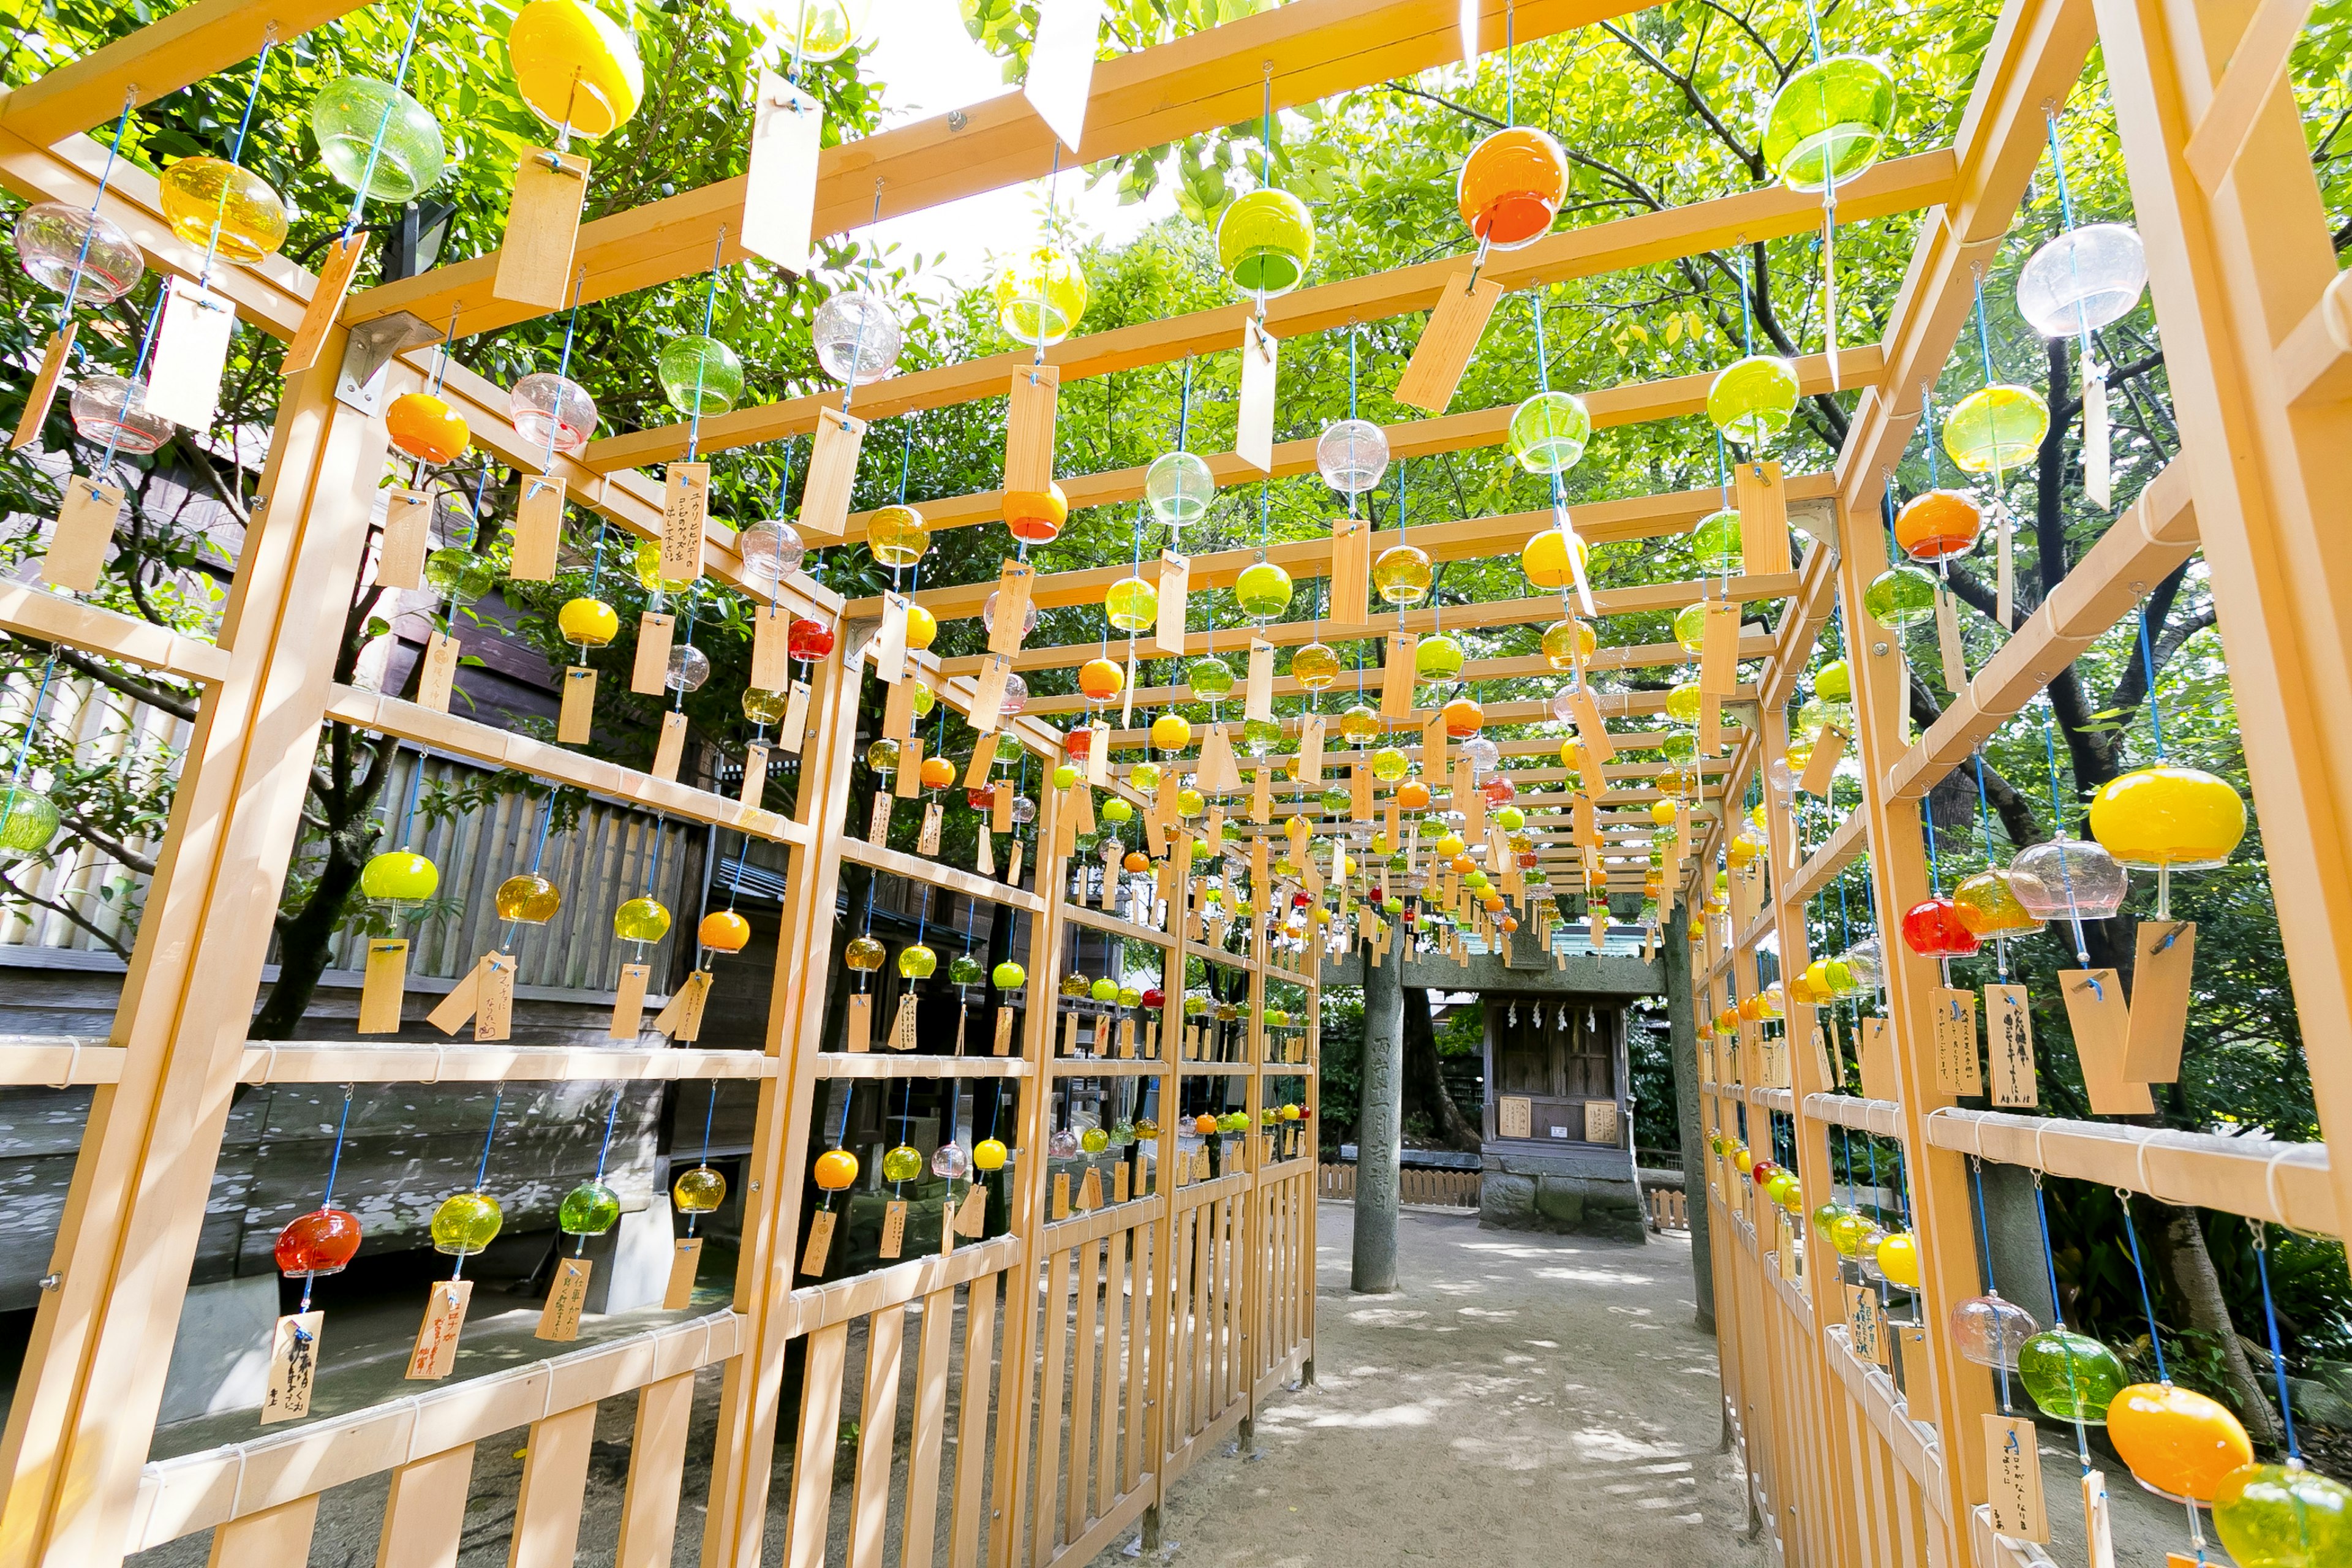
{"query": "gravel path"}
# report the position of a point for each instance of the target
(1523, 1399)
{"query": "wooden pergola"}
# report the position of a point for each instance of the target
(1220, 1305)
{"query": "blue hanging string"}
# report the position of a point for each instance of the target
(391, 107)
(2049, 1262)
(2147, 1303)
(1984, 336)
(2148, 669)
(702, 360)
(25, 744)
(2058, 1316)
(90, 231)
(334, 1163)
(482, 1169)
(2278, 1354)
(236, 151)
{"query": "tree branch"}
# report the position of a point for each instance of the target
(18, 891)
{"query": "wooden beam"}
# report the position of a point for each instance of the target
(1903, 183)
(33, 612)
(1646, 656)
(2156, 534)
(504, 748)
(1641, 599)
(1308, 51)
(183, 46)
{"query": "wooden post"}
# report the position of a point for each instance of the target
(80, 1422)
(751, 1386)
(2264, 434)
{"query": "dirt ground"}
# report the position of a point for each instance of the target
(1523, 1398)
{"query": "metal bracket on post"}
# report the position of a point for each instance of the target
(1817, 519)
(361, 382)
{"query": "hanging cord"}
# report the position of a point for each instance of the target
(546, 821)
(1984, 352)
(132, 387)
(2156, 1343)
(392, 106)
(236, 154)
(482, 1168)
(2066, 866)
(563, 365)
(327, 1200)
(2058, 1321)
(2066, 224)
(25, 746)
(2278, 1355)
(709, 1112)
(702, 358)
(90, 230)
(602, 1152)
(857, 343)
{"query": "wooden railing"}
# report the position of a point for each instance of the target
(1434, 1189)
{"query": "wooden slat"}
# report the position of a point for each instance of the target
(972, 1422)
(2156, 533)
(266, 1540)
(878, 1432)
(52, 618)
(1116, 1370)
(554, 1488)
(425, 1513)
(656, 1468)
(1083, 1444)
(1056, 1314)
(814, 1446)
(447, 732)
(1639, 599)
(916, 869)
(927, 1435)
(1457, 538)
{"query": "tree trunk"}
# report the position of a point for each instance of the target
(2187, 1269)
(306, 942)
(1424, 1085)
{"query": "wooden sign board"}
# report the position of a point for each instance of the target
(1253, 427)
(1762, 501)
(2102, 1026)
(833, 469)
(1351, 568)
(407, 537)
(53, 358)
(1601, 1122)
(1167, 636)
(2008, 1023)
(686, 507)
(76, 557)
(1878, 1080)
(542, 229)
(2160, 1001)
(1029, 418)
(1955, 1013)
(2014, 1479)
(777, 218)
(1448, 341)
(1397, 676)
(1060, 79)
(538, 530)
(191, 351)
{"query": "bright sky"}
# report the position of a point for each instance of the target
(928, 65)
